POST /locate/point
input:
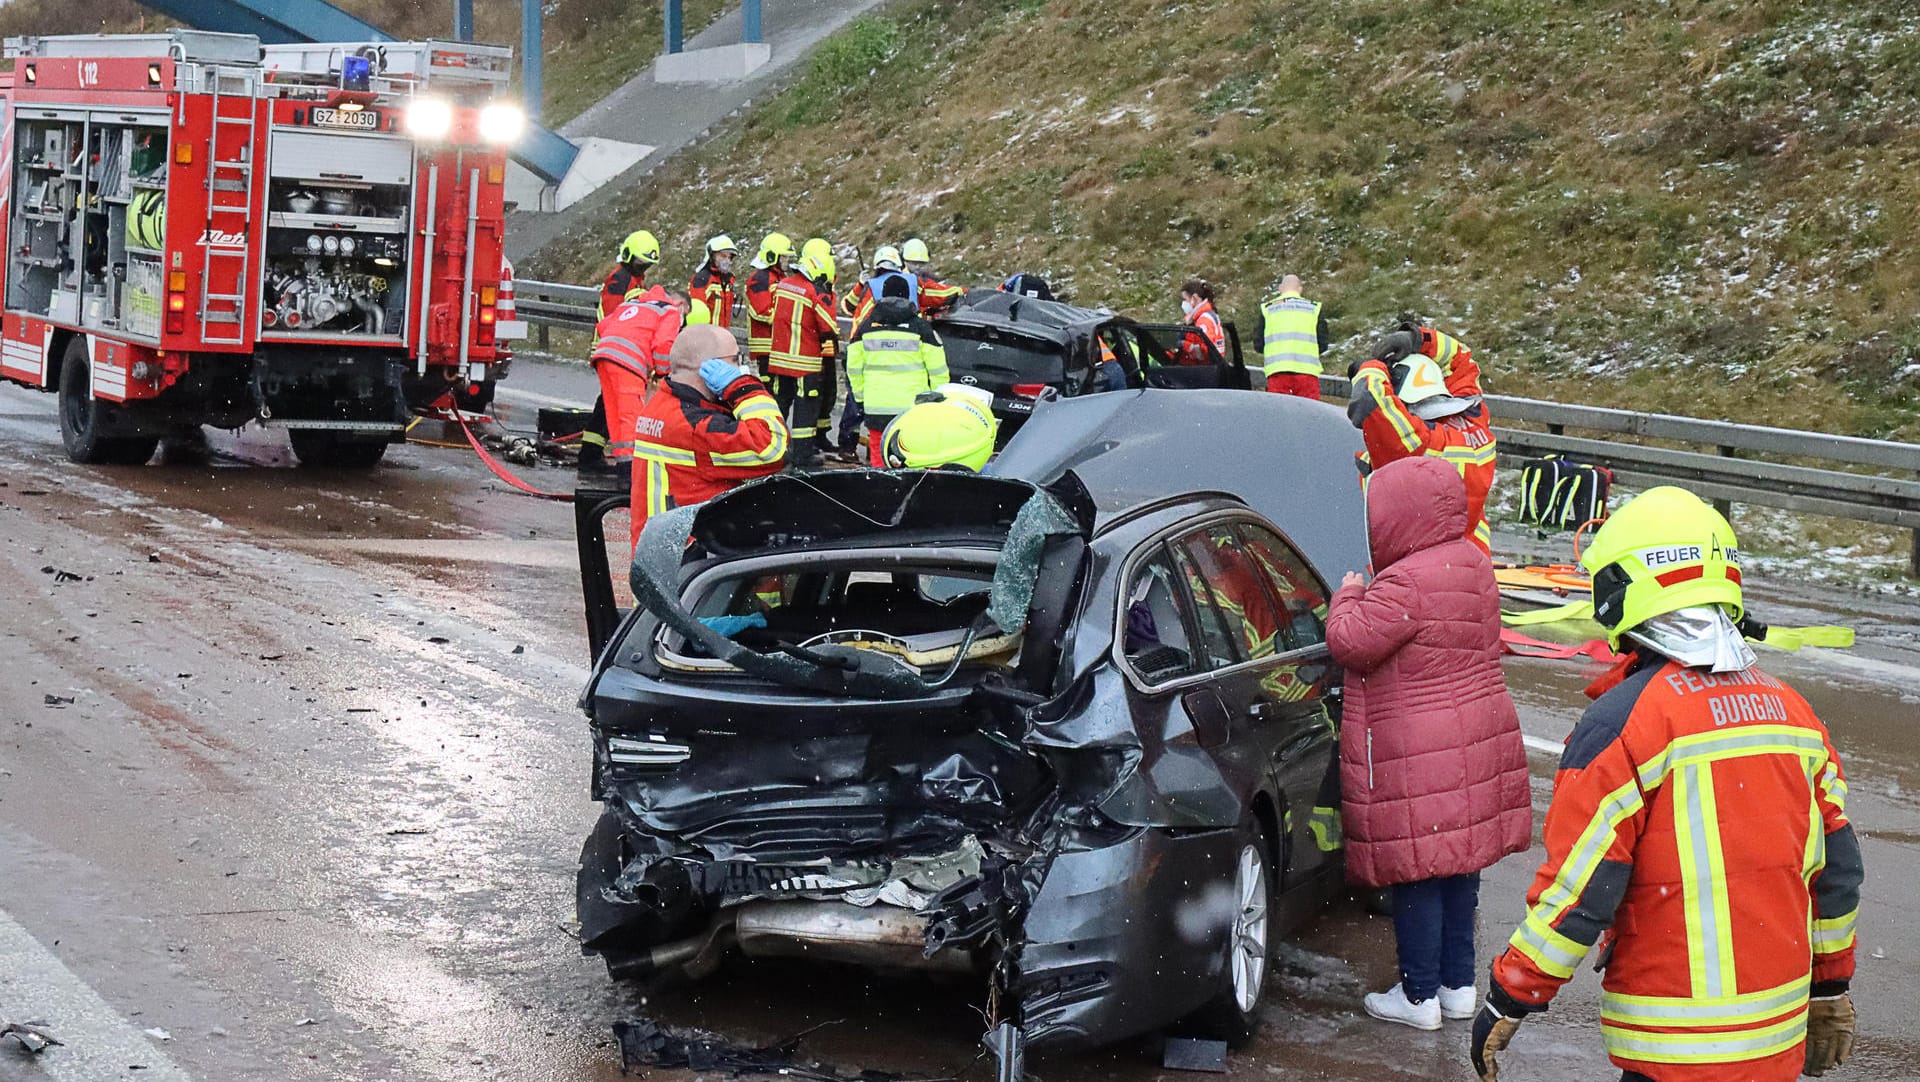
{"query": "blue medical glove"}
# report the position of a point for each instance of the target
(718, 375)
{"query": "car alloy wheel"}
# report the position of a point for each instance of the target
(1249, 949)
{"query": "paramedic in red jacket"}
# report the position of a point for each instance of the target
(1433, 773)
(1420, 395)
(1698, 839)
(704, 427)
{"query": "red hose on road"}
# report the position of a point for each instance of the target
(494, 464)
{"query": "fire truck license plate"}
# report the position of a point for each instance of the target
(342, 118)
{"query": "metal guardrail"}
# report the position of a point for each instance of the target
(1743, 465)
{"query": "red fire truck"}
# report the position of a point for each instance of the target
(203, 231)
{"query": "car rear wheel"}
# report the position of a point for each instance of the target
(84, 418)
(1230, 1015)
(323, 448)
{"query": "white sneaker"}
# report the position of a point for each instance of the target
(1457, 1003)
(1392, 1006)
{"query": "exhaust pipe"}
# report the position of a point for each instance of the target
(879, 936)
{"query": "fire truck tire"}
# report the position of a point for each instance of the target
(84, 418)
(333, 450)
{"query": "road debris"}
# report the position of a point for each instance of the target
(157, 1033)
(644, 1043)
(57, 700)
(63, 575)
(1195, 1054)
(29, 1036)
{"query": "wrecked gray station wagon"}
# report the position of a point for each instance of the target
(1061, 726)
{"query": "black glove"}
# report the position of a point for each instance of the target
(1397, 346)
(1492, 1031)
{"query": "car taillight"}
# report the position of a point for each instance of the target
(486, 316)
(1029, 390)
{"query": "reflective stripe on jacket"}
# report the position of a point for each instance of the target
(935, 294)
(689, 448)
(1208, 320)
(711, 294)
(1290, 335)
(1698, 833)
(760, 310)
(804, 330)
(1392, 432)
(889, 366)
(638, 334)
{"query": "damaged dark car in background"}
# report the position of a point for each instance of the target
(1061, 727)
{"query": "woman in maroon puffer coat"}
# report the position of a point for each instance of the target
(1433, 774)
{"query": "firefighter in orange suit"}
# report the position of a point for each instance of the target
(805, 338)
(935, 296)
(704, 426)
(1698, 834)
(629, 345)
(773, 262)
(1420, 395)
(710, 290)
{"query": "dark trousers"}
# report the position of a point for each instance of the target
(1433, 927)
(829, 384)
(799, 399)
(850, 417)
(1634, 1076)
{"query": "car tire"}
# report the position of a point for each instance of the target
(1231, 1015)
(324, 449)
(84, 418)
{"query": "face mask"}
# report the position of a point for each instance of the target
(916, 268)
(723, 262)
(1186, 307)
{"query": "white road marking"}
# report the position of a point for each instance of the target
(513, 394)
(98, 1043)
(1542, 745)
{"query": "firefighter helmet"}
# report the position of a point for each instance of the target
(915, 251)
(1665, 550)
(772, 248)
(950, 427)
(640, 247)
(816, 259)
(1418, 382)
(887, 257)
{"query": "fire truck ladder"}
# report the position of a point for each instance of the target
(221, 310)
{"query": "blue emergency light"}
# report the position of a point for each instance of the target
(356, 73)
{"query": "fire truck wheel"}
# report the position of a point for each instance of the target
(333, 450)
(83, 418)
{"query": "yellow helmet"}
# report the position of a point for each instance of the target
(640, 247)
(816, 259)
(721, 243)
(1664, 551)
(773, 247)
(915, 251)
(947, 427)
(887, 257)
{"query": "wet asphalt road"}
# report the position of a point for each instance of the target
(322, 765)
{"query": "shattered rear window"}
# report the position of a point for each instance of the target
(920, 615)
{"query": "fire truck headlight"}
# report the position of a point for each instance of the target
(429, 118)
(346, 245)
(502, 123)
(313, 243)
(333, 245)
